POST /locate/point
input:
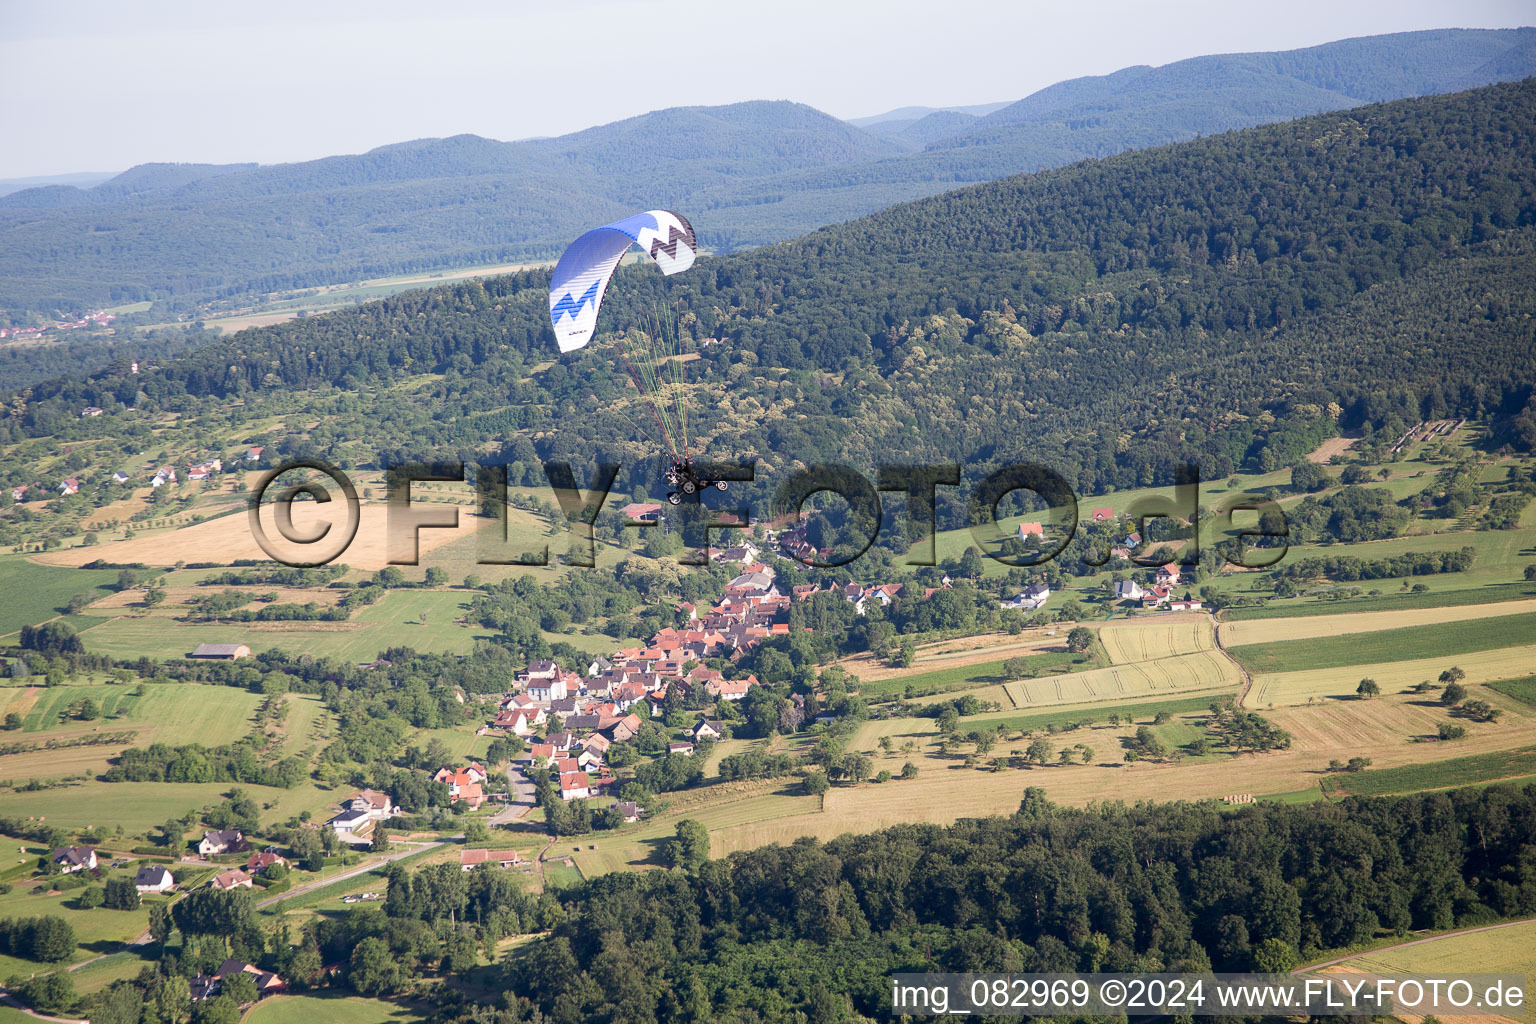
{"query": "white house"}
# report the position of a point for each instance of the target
(547, 689)
(1030, 598)
(1127, 590)
(221, 841)
(154, 878)
(353, 827)
(74, 858)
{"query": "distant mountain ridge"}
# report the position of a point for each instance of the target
(747, 174)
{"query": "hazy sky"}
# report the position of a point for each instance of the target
(102, 86)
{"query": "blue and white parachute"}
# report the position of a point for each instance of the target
(582, 275)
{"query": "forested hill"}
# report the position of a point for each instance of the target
(813, 931)
(1230, 300)
(750, 173)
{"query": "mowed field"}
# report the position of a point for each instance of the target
(1205, 670)
(1275, 688)
(166, 713)
(229, 537)
(1257, 631)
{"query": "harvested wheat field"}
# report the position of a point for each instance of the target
(1458, 963)
(1499, 949)
(229, 538)
(1309, 627)
(1204, 670)
(1162, 636)
(1390, 725)
(1316, 684)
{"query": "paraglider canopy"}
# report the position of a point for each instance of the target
(584, 271)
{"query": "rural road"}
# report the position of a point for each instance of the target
(1412, 942)
(405, 850)
(1242, 673)
(9, 1000)
(522, 798)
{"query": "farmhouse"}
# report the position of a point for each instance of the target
(376, 805)
(260, 861)
(154, 878)
(1127, 590)
(74, 858)
(629, 809)
(1103, 515)
(730, 689)
(575, 786)
(229, 840)
(708, 729)
(234, 878)
(642, 512)
(471, 859)
(1167, 575)
(1031, 530)
(221, 652)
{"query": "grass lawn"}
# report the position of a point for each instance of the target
(331, 1007)
(967, 677)
(1407, 644)
(95, 930)
(140, 806)
(1142, 713)
(309, 724)
(167, 713)
(35, 593)
(110, 968)
(394, 620)
(558, 876)
(1522, 689)
(1458, 771)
